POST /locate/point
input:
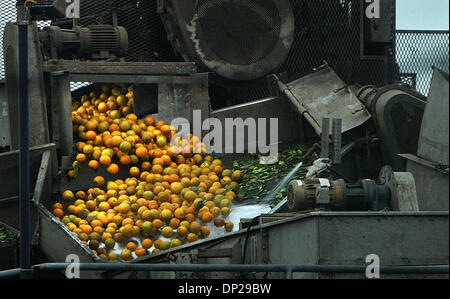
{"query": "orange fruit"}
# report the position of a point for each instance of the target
(174, 223)
(123, 208)
(158, 243)
(158, 161)
(157, 223)
(141, 152)
(58, 213)
(147, 243)
(131, 246)
(106, 236)
(79, 146)
(180, 213)
(182, 231)
(237, 175)
(166, 215)
(93, 164)
(195, 227)
(219, 222)
(192, 237)
(165, 130)
(80, 194)
(68, 195)
(167, 232)
(207, 217)
(88, 149)
(113, 168)
(175, 243)
(140, 252)
(205, 231)
(96, 223)
(99, 181)
(86, 229)
(81, 158)
(134, 172)
(166, 160)
(126, 255)
(91, 135)
(146, 166)
(165, 245)
(189, 217)
(116, 141)
(158, 153)
(149, 121)
(125, 160)
(215, 211)
(105, 160)
(229, 226)
(91, 205)
(157, 169)
(190, 196)
(225, 211)
(104, 206)
(58, 206)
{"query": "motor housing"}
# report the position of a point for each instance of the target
(92, 42)
(319, 193)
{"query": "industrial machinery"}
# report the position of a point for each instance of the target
(395, 192)
(303, 62)
(95, 42)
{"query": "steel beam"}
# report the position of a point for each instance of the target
(107, 67)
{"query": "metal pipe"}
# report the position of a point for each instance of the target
(443, 269)
(13, 273)
(24, 155)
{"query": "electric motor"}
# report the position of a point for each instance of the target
(93, 42)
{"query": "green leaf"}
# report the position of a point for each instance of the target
(200, 205)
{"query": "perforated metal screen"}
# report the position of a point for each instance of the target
(7, 14)
(325, 31)
(146, 34)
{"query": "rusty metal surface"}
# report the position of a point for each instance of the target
(322, 94)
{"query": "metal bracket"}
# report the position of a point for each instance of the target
(323, 192)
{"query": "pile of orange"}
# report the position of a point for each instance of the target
(174, 189)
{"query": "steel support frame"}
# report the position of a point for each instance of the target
(287, 269)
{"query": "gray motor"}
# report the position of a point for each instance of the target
(394, 191)
(92, 42)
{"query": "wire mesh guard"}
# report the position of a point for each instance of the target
(418, 52)
(324, 32)
(146, 34)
